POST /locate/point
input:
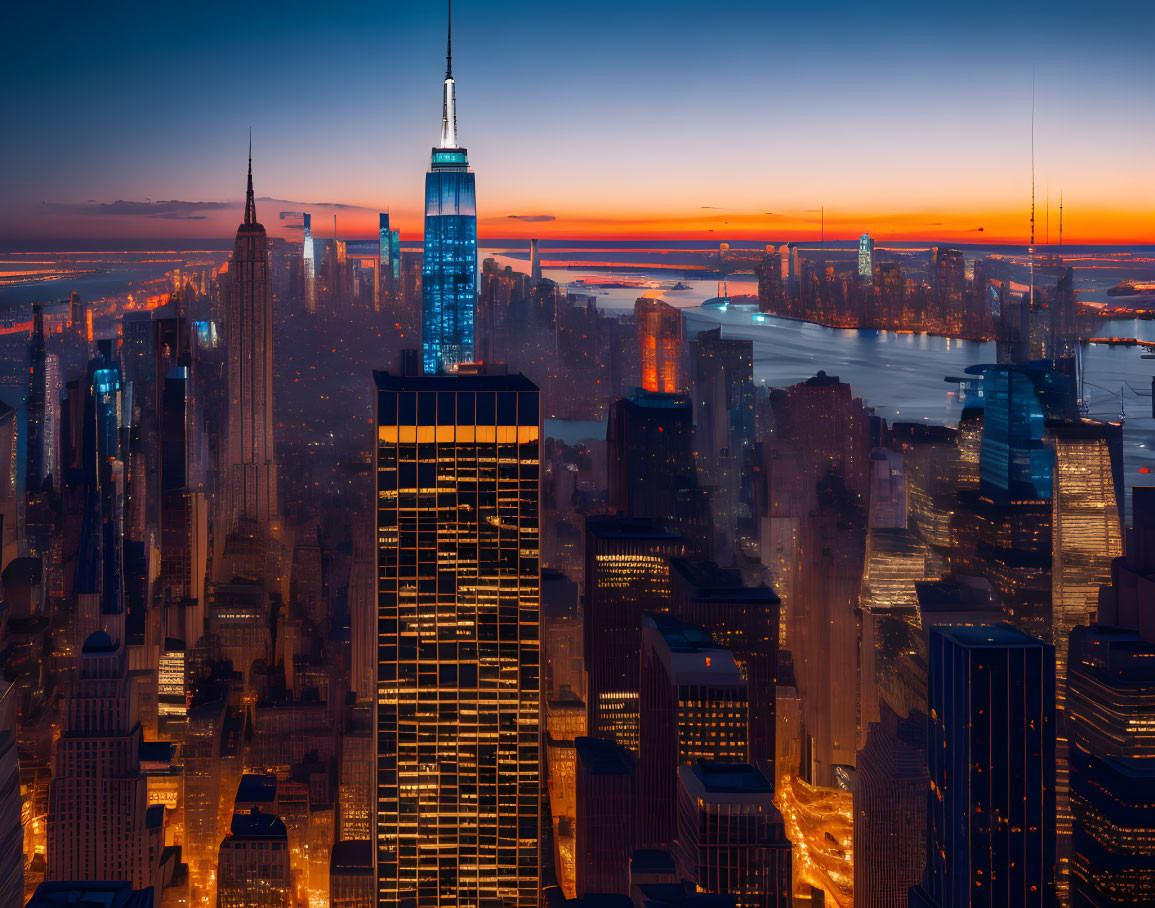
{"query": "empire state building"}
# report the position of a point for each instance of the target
(251, 470)
(449, 269)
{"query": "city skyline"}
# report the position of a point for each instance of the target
(789, 565)
(642, 114)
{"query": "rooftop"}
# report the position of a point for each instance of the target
(618, 527)
(709, 581)
(387, 381)
(652, 860)
(98, 642)
(822, 379)
(986, 636)
(157, 751)
(963, 593)
(256, 788)
(604, 758)
(24, 571)
(680, 637)
(105, 895)
(356, 856)
(257, 825)
(659, 400)
(730, 778)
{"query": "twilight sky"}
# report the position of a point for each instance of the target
(600, 119)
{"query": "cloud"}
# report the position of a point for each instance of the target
(532, 218)
(172, 210)
(337, 206)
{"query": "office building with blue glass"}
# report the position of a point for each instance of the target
(449, 271)
(991, 693)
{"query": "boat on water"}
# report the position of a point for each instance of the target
(1133, 291)
(724, 301)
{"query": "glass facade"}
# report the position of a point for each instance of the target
(308, 255)
(866, 257)
(449, 270)
(1015, 464)
(991, 692)
(1111, 721)
(389, 258)
(458, 645)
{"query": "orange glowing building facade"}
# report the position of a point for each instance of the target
(660, 342)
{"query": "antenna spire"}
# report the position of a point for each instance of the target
(1031, 249)
(250, 205)
(1060, 219)
(449, 102)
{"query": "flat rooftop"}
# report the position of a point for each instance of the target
(604, 757)
(987, 636)
(611, 527)
(710, 582)
(387, 381)
(730, 778)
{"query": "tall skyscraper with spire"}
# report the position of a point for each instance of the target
(449, 272)
(251, 470)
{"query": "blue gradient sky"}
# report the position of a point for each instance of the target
(617, 119)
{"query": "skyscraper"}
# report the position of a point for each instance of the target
(254, 869)
(457, 630)
(724, 432)
(890, 790)
(1086, 536)
(627, 573)
(99, 824)
(660, 342)
(731, 837)
(1110, 712)
(11, 831)
(449, 269)
(866, 257)
(693, 704)
(251, 469)
(652, 471)
(745, 620)
(309, 259)
(607, 823)
(386, 276)
(34, 465)
(991, 830)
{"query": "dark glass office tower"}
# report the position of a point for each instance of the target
(606, 782)
(991, 692)
(449, 270)
(37, 398)
(458, 611)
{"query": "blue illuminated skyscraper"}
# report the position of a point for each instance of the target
(388, 265)
(449, 272)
